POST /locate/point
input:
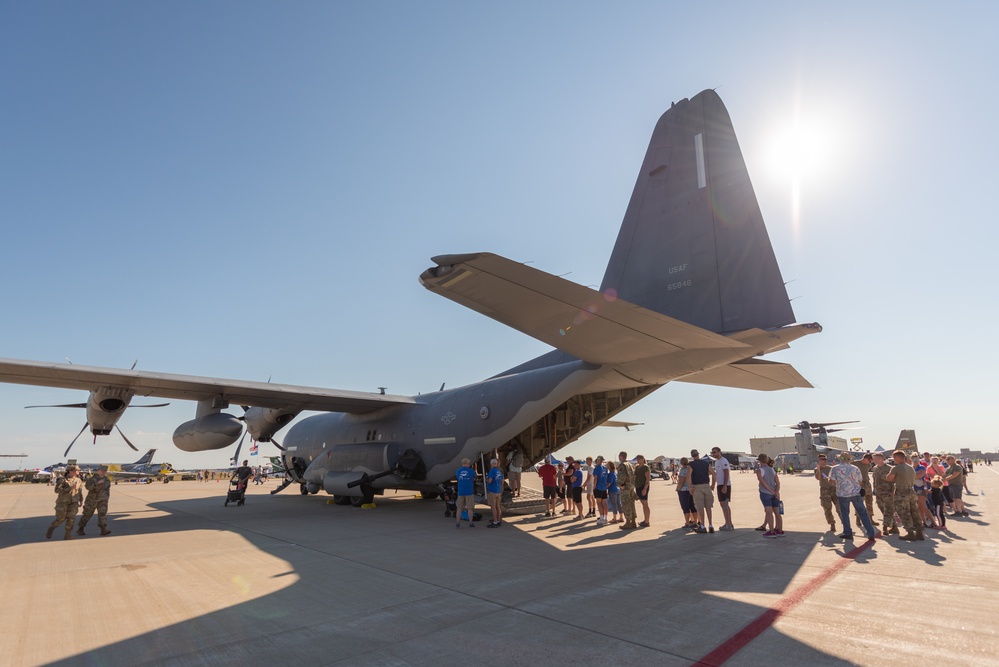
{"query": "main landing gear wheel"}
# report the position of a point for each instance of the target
(304, 491)
(429, 495)
(341, 500)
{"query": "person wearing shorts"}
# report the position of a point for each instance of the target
(591, 501)
(599, 475)
(516, 468)
(613, 493)
(567, 472)
(549, 484)
(683, 495)
(466, 493)
(770, 497)
(699, 473)
(494, 492)
(955, 482)
(723, 483)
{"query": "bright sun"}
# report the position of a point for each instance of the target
(802, 155)
(801, 150)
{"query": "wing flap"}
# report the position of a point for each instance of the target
(587, 324)
(755, 374)
(194, 388)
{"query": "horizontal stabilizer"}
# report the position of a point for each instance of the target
(751, 374)
(619, 424)
(587, 324)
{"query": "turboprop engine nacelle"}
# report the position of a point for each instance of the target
(105, 407)
(212, 431)
(263, 423)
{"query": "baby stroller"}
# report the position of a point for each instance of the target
(450, 496)
(236, 493)
(451, 504)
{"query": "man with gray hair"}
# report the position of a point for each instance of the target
(494, 491)
(849, 484)
(466, 493)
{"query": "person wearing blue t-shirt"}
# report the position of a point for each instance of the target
(600, 490)
(613, 493)
(494, 491)
(577, 490)
(466, 493)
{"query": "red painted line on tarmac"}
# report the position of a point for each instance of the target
(757, 626)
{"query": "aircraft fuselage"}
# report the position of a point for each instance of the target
(443, 428)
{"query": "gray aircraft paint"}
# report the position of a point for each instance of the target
(144, 460)
(692, 262)
(693, 244)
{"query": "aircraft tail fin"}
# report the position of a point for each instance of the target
(146, 458)
(907, 440)
(693, 245)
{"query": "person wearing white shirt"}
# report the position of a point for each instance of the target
(723, 482)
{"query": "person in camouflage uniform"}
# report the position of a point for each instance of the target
(626, 480)
(865, 465)
(885, 493)
(98, 492)
(68, 501)
(906, 500)
(827, 491)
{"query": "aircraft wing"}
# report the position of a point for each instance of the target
(757, 374)
(194, 388)
(586, 323)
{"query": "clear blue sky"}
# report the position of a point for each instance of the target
(250, 190)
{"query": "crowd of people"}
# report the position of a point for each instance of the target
(915, 493)
(613, 492)
(259, 475)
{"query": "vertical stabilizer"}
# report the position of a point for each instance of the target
(146, 458)
(693, 245)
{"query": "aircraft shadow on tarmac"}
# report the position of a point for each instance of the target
(399, 585)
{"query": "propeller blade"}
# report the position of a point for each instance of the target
(235, 457)
(154, 405)
(127, 441)
(134, 364)
(275, 443)
(85, 425)
(67, 405)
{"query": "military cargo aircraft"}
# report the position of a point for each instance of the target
(692, 293)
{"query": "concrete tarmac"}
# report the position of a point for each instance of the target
(183, 580)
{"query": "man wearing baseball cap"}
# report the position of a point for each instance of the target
(848, 491)
(98, 493)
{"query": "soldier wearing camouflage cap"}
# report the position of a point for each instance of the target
(69, 490)
(98, 492)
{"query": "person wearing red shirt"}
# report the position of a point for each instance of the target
(550, 486)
